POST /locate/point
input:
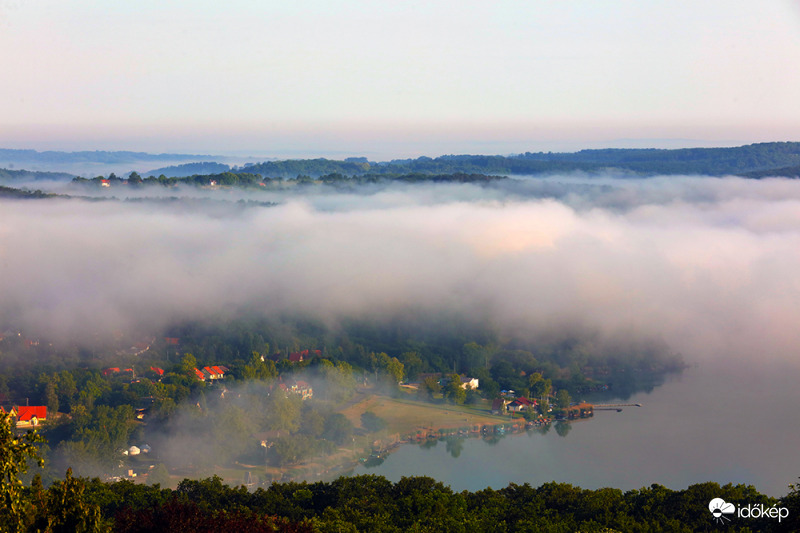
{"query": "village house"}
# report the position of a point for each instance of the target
(30, 415)
(443, 380)
(115, 370)
(466, 382)
(520, 404)
(213, 373)
(469, 383)
(208, 373)
(299, 357)
(301, 388)
(499, 406)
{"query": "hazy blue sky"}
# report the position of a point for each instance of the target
(396, 78)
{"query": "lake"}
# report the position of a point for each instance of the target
(737, 423)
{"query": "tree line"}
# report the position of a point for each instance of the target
(278, 182)
(360, 503)
(650, 161)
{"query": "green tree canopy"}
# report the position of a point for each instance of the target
(15, 453)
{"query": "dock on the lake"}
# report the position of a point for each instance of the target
(614, 406)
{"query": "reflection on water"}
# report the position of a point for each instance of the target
(454, 446)
(429, 443)
(563, 428)
(731, 424)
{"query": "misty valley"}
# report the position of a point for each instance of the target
(279, 398)
(300, 328)
(389, 267)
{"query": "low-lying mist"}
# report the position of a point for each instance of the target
(708, 264)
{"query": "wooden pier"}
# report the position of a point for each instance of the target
(614, 406)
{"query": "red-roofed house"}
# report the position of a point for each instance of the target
(200, 375)
(213, 372)
(157, 370)
(109, 371)
(31, 415)
(520, 404)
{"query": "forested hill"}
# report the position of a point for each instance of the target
(785, 172)
(10, 192)
(28, 175)
(190, 169)
(96, 156)
(711, 161)
(649, 161)
(754, 160)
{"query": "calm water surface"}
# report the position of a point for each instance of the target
(736, 423)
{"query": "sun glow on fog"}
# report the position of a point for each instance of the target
(700, 261)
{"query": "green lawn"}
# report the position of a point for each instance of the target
(407, 416)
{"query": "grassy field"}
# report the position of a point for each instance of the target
(406, 416)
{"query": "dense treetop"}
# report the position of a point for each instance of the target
(704, 161)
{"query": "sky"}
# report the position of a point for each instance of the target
(387, 79)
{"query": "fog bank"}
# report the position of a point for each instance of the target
(708, 264)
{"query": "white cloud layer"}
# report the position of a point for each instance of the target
(709, 264)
